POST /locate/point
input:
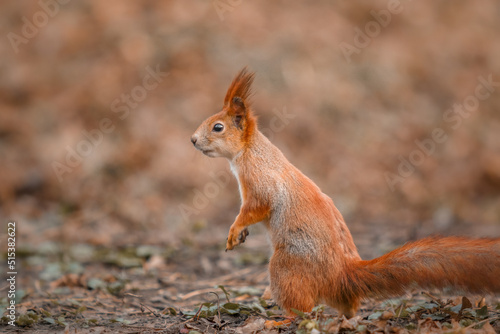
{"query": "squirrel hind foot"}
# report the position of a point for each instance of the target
(349, 311)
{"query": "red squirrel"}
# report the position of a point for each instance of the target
(315, 259)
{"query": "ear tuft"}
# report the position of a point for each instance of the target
(240, 90)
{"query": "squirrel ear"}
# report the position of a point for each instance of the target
(238, 96)
(238, 110)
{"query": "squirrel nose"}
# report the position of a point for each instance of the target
(194, 139)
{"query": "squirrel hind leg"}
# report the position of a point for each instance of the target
(291, 296)
(292, 289)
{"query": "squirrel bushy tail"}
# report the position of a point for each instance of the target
(471, 265)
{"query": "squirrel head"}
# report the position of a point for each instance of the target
(228, 132)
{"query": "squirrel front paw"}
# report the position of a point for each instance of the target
(236, 237)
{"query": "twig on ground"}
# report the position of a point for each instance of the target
(131, 294)
(434, 299)
(155, 313)
(218, 309)
(195, 293)
(482, 321)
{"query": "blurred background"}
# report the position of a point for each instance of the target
(98, 100)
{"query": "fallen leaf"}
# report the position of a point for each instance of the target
(482, 312)
(251, 325)
(375, 315)
(386, 315)
(346, 325)
(155, 262)
(70, 280)
(488, 329)
(465, 303)
(242, 298)
(428, 324)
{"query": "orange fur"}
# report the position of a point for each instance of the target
(240, 87)
(315, 259)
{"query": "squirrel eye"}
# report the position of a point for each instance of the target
(218, 127)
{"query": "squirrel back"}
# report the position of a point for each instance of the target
(314, 257)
